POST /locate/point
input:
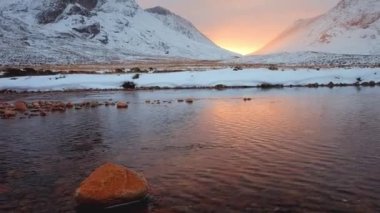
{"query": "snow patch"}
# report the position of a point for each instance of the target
(227, 77)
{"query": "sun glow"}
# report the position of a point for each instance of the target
(236, 41)
(237, 46)
(244, 50)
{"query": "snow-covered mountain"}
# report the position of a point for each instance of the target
(351, 27)
(85, 31)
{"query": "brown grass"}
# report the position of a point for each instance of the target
(161, 65)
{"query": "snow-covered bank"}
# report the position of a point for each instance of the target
(227, 77)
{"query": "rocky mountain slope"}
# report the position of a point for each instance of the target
(351, 27)
(87, 31)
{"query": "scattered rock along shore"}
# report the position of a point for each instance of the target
(23, 110)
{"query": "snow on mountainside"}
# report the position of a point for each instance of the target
(86, 31)
(352, 27)
(178, 24)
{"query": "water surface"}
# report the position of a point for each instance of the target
(289, 150)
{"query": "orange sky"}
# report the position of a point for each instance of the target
(242, 26)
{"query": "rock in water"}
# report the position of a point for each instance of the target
(121, 105)
(9, 114)
(109, 185)
(189, 100)
(20, 106)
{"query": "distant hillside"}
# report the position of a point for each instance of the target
(351, 27)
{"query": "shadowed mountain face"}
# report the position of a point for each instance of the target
(86, 31)
(159, 11)
(52, 9)
(351, 27)
(89, 4)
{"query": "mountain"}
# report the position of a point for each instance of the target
(351, 27)
(87, 31)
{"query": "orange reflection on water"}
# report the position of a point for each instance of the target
(271, 119)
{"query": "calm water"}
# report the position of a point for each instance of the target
(290, 150)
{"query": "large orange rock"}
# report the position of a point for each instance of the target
(20, 106)
(111, 184)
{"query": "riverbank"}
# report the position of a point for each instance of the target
(219, 79)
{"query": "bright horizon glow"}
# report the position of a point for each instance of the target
(237, 46)
(243, 26)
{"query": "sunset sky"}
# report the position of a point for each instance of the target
(243, 26)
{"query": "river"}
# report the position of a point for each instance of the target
(286, 150)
